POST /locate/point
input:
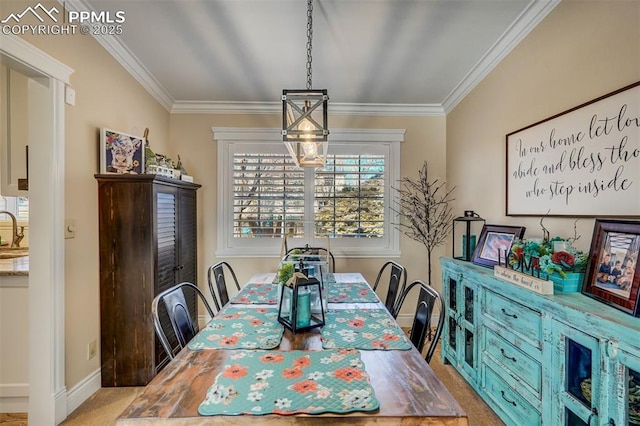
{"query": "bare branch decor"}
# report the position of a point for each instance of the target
(424, 206)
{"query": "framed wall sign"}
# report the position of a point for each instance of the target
(584, 162)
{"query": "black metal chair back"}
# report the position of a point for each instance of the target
(421, 329)
(308, 250)
(179, 316)
(216, 275)
(397, 274)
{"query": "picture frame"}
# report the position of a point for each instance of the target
(121, 153)
(495, 243)
(613, 272)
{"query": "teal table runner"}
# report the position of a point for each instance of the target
(356, 292)
(363, 329)
(240, 328)
(257, 293)
(262, 382)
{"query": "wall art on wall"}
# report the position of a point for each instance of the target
(583, 162)
(495, 243)
(121, 153)
(613, 273)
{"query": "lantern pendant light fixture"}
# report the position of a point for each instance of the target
(304, 116)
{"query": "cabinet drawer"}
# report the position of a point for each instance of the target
(518, 318)
(514, 361)
(510, 401)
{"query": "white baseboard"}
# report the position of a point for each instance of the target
(14, 398)
(83, 390)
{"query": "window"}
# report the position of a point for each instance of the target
(262, 194)
(19, 206)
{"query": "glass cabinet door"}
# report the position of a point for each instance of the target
(626, 408)
(451, 318)
(468, 324)
(577, 359)
(460, 323)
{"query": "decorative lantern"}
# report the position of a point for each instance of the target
(469, 226)
(301, 304)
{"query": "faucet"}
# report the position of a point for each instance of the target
(17, 236)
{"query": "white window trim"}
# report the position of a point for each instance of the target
(268, 247)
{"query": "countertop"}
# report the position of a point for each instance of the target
(14, 267)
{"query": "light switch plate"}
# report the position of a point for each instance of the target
(70, 95)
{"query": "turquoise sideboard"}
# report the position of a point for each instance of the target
(562, 359)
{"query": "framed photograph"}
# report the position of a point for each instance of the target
(495, 243)
(121, 153)
(613, 273)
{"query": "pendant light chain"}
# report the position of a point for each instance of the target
(309, 38)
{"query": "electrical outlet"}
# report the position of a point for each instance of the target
(91, 349)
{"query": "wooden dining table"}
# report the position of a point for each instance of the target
(408, 391)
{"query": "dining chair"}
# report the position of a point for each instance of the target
(421, 329)
(172, 304)
(216, 274)
(397, 273)
(310, 251)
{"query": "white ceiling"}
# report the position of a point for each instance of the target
(225, 54)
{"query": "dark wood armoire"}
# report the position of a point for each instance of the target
(148, 243)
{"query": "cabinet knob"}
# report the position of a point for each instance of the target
(178, 268)
(612, 349)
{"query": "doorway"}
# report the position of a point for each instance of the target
(47, 392)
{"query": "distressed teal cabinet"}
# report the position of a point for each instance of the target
(600, 381)
(563, 359)
(459, 341)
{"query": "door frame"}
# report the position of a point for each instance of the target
(47, 390)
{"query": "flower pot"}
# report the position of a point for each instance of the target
(571, 284)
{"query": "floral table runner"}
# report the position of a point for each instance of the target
(336, 292)
(262, 382)
(257, 293)
(240, 328)
(363, 329)
(355, 292)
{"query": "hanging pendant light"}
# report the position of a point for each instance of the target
(304, 116)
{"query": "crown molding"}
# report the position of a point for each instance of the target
(195, 107)
(535, 12)
(129, 62)
(271, 134)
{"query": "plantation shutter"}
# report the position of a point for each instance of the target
(268, 196)
(349, 196)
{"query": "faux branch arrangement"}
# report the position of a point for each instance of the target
(424, 206)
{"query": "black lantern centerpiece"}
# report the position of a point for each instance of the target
(301, 305)
(469, 226)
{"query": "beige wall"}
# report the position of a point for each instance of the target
(582, 50)
(106, 96)
(192, 138)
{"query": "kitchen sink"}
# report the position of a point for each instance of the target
(13, 252)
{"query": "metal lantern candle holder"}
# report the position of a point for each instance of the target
(301, 305)
(469, 226)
